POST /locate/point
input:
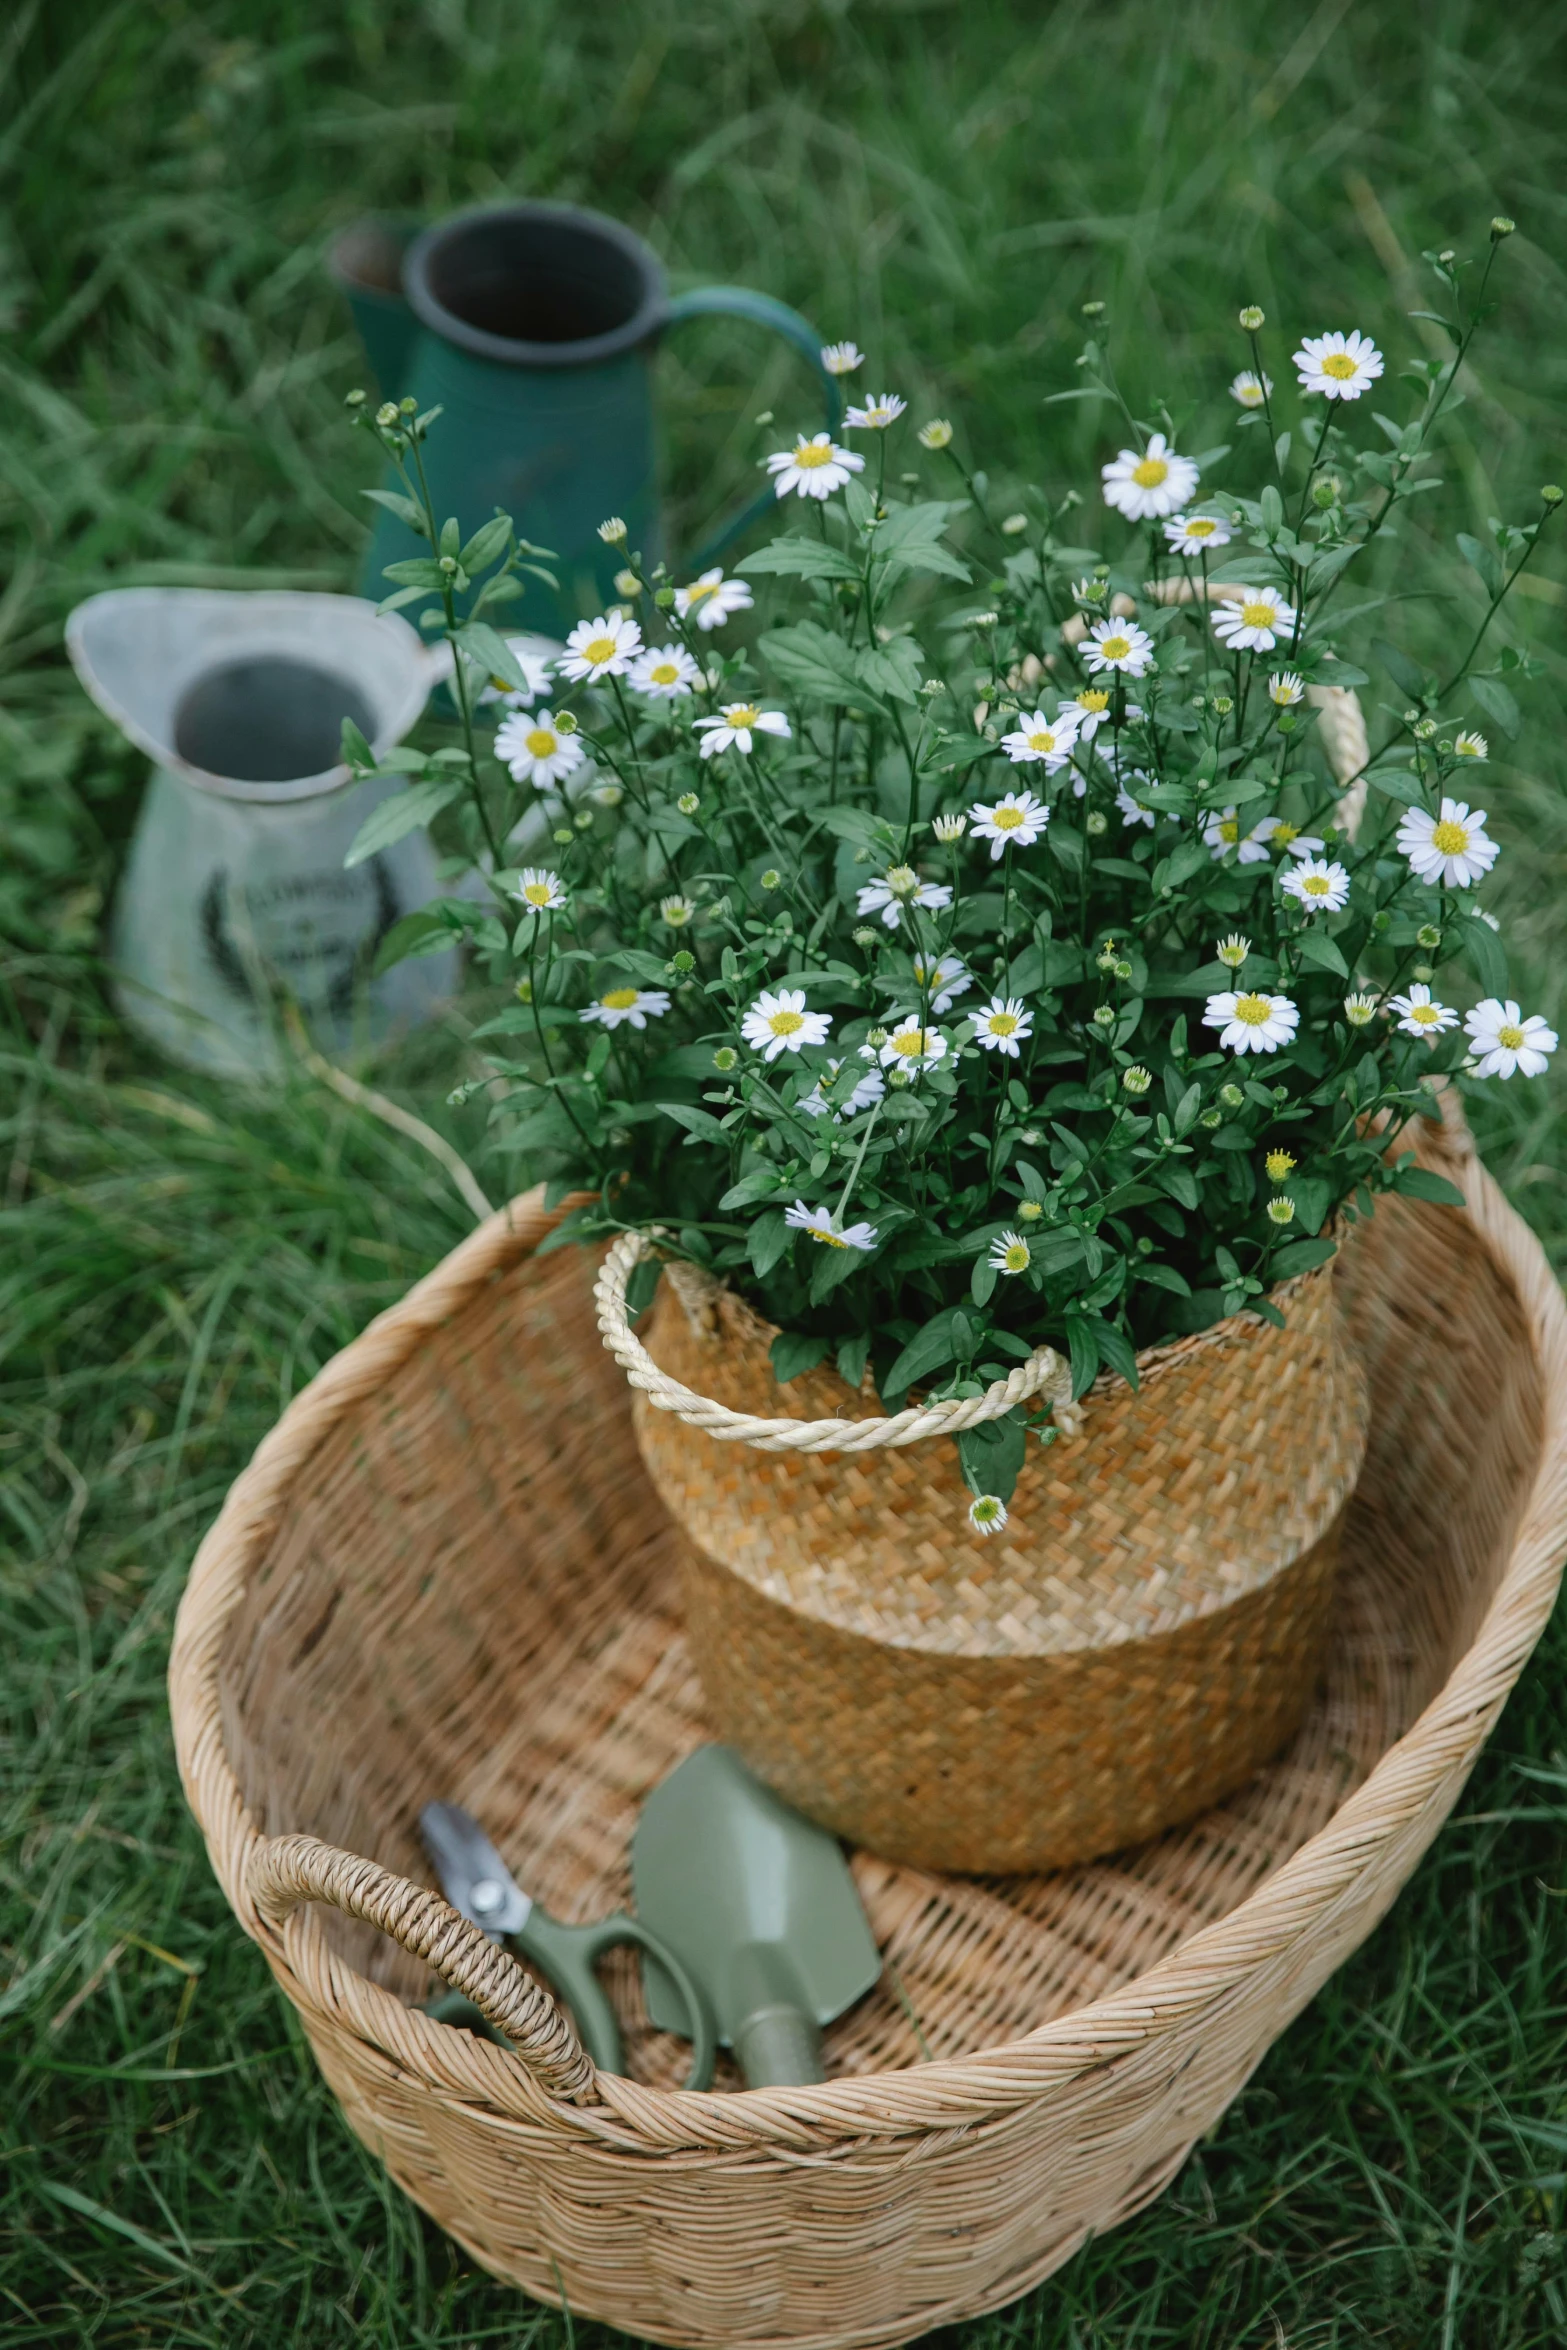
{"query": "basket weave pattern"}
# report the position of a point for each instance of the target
(1140, 1637)
(445, 1573)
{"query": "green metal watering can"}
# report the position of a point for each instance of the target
(533, 327)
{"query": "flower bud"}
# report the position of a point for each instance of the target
(613, 532)
(354, 400)
(1222, 705)
(897, 1079)
(725, 1059)
(448, 564)
(1382, 920)
(771, 878)
(386, 415)
(664, 598)
(1029, 1211)
(688, 803)
(408, 405)
(1552, 494)
(1421, 971)
(1428, 935)
(627, 584)
(1137, 1079)
(935, 435)
(1212, 1118)
(524, 991)
(681, 964)
(1252, 318)
(1501, 227)
(865, 938)
(1324, 494)
(1105, 1016)
(1231, 1096)
(583, 820)
(877, 1037)
(1095, 823)
(1093, 309)
(565, 722)
(1014, 524)
(1123, 969)
(563, 836)
(1281, 1210)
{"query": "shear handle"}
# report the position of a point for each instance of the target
(568, 1955)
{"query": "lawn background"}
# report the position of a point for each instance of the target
(948, 184)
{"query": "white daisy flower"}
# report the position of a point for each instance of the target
(867, 1090)
(950, 828)
(1017, 818)
(913, 1048)
(1285, 688)
(876, 414)
(539, 890)
(1131, 813)
(1471, 746)
(1506, 1042)
(1089, 710)
(1037, 738)
(677, 911)
(898, 887)
(1221, 832)
(1360, 1010)
(612, 531)
(818, 1222)
(1197, 534)
(601, 648)
(1252, 1022)
(664, 673)
(1250, 390)
(1233, 950)
(1419, 1014)
(943, 981)
(736, 726)
(1002, 1025)
(1453, 847)
(1316, 885)
(712, 599)
(842, 358)
(935, 435)
(779, 1023)
(1010, 1253)
(1117, 644)
(533, 749)
(1253, 622)
(1280, 834)
(536, 667)
(987, 1514)
(638, 1005)
(1341, 367)
(813, 468)
(1145, 486)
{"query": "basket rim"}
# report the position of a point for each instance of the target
(1398, 1807)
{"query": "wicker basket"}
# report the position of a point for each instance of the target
(1143, 1633)
(445, 1573)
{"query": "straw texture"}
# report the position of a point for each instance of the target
(445, 1574)
(1142, 1634)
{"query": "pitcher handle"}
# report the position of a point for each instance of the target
(760, 310)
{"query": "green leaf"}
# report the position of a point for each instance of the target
(404, 508)
(695, 1121)
(1487, 956)
(1420, 1183)
(403, 813)
(1082, 1339)
(425, 932)
(794, 1351)
(421, 571)
(1316, 947)
(811, 660)
(489, 649)
(1312, 1196)
(926, 1351)
(1482, 559)
(1117, 1350)
(894, 670)
(490, 540)
(801, 559)
(766, 1242)
(353, 750)
(1406, 674)
(1498, 702)
(1397, 783)
(982, 1281)
(992, 1454)
(853, 1355)
(1300, 1256)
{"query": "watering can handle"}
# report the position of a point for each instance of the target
(760, 310)
(568, 1956)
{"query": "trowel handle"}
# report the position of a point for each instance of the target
(568, 1955)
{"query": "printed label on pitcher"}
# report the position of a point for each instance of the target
(311, 936)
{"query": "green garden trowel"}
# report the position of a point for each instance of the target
(759, 1907)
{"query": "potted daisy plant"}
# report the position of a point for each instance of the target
(988, 968)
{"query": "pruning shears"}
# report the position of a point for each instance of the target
(478, 1884)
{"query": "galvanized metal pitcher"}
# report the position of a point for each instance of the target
(533, 327)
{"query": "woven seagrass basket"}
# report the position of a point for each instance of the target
(446, 1574)
(1139, 1637)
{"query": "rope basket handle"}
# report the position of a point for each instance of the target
(284, 1872)
(1043, 1373)
(1342, 721)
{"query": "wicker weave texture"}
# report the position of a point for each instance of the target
(1143, 1633)
(445, 1573)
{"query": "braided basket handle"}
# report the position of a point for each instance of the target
(284, 1872)
(1043, 1371)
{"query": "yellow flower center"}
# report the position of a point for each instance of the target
(786, 1023)
(1452, 839)
(902, 880)
(1017, 1257)
(742, 714)
(1002, 1024)
(1317, 885)
(1511, 1037)
(1279, 1164)
(985, 1511)
(1229, 831)
(619, 999)
(1253, 1010)
(1093, 697)
(1339, 365)
(1007, 819)
(537, 893)
(1259, 615)
(541, 743)
(702, 590)
(1201, 527)
(1283, 834)
(808, 456)
(664, 673)
(1424, 1015)
(828, 1239)
(1042, 742)
(599, 649)
(1150, 473)
(1115, 648)
(911, 1045)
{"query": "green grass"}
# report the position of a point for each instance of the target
(948, 184)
